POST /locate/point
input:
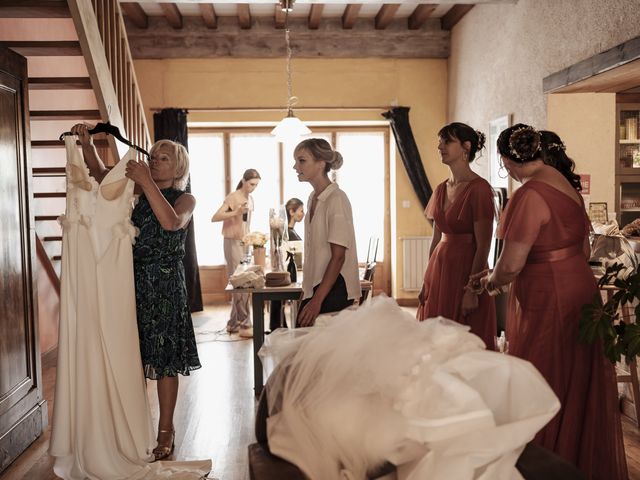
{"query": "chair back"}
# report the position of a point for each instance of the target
(369, 271)
(372, 250)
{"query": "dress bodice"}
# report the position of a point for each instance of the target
(154, 243)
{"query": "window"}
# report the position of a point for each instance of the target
(215, 172)
(206, 165)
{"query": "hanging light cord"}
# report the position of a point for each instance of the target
(291, 100)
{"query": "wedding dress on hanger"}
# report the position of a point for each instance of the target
(102, 426)
(374, 385)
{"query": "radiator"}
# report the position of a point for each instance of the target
(415, 254)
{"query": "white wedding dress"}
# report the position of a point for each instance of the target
(374, 385)
(102, 425)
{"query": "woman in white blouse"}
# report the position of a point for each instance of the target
(330, 281)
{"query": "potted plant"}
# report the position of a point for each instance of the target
(603, 320)
(257, 240)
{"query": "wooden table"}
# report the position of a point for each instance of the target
(258, 298)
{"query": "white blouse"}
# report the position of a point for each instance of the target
(332, 223)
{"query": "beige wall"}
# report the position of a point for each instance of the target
(586, 122)
(345, 83)
(501, 53)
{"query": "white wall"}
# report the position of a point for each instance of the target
(501, 53)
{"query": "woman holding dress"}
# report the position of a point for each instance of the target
(165, 328)
(461, 211)
(545, 230)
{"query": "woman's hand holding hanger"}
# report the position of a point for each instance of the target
(82, 131)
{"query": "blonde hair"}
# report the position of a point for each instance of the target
(180, 158)
(320, 149)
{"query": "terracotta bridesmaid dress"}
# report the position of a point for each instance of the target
(450, 263)
(542, 327)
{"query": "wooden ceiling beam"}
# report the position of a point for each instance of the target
(172, 14)
(420, 15)
(278, 17)
(385, 15)
(208, 14)
(315, 15)
(454, 15)
(135, 13)
(350, 15)
(244, 16)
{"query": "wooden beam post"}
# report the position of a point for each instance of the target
(136, 14)
(454, 15)
(172, 14)
(385, 15)
(350, 15)
(244, 16)
(208, 15)
(420, 15)
(315, 15)
(278, 17)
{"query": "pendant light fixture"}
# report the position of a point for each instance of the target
(290, 128)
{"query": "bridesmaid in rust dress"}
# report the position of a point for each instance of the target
(545, 230)
(461, 211)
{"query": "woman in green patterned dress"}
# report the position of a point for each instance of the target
(162, 214)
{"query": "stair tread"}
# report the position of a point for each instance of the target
(34, 9)
(44, 47)
(52, 239)
(43, 218)
(59, 83)
(50, 195)
(43, 171)
(65, 115)
(60, 143)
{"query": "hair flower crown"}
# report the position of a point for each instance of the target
(525, 143)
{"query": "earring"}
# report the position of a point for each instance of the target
(502, 172)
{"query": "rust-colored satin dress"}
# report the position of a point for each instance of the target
(542, 327)
(450, 263)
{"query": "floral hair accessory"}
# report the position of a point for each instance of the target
(524, 143)
(558, 146)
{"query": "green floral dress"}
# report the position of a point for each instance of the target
(167, 341)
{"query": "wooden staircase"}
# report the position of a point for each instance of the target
(80, 70)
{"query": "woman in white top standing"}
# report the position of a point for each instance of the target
(330, 281)
(235, 215)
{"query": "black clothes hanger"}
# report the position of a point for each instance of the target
(111, 130)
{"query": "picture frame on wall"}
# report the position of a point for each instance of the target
(498, 178)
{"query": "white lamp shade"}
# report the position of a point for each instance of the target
(289, 128)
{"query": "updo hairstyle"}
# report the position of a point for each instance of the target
(321, 151)
(464, 133)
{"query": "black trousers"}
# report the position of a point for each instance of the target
(335, 301)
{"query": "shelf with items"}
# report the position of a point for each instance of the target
(627, 198)
(628, 138)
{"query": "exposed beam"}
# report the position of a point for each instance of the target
(136, 14)
(172, 14)
(350, 15)
(454, 15)
(420, 15)
(278, 17)
(385, 15)
(315, 15)
(613, 70)
(34, 9)
(208, 15)
(264, 41)
(244, 16)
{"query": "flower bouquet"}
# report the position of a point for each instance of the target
(257, 240)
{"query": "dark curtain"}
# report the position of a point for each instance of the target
(171, 123)
(399, 118)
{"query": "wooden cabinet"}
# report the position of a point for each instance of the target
(627, 163)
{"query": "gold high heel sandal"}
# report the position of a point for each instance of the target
(163, 451)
